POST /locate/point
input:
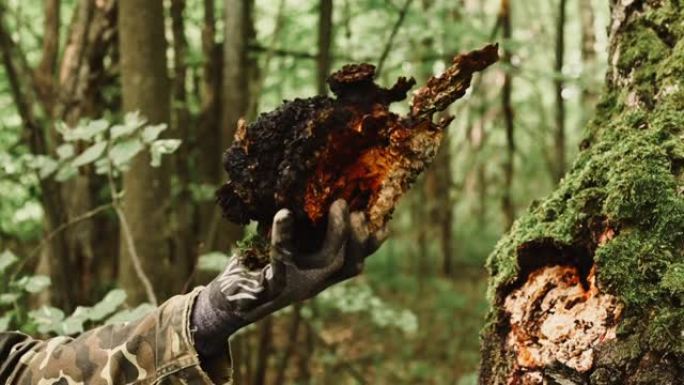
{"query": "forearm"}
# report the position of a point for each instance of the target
(154, 349)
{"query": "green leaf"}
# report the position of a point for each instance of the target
(135, 119)
(48, 319)
(132, 122)
(161, 147)
(7, 259)
(84, 131)
(8, 298)
(130, 315)
(66, 172)
(46, 166)
(90, 155)
(102, 166)
(123, 152)
(72, 325)
(214, 261)
(107, 305)
(34, 284)
(66, 151)
(151, 133)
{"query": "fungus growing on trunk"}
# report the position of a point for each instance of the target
(310, 152)
(558, 316)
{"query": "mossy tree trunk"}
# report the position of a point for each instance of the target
(588, 287)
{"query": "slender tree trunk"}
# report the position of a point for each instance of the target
(292, 341)
(587, 288)
(589, 91)
(145, 88)
(264, 351)
(209, 134)
(184, 231)
(325, 32)
(506, 105)
(45, 95)
(559, 133)
(239, 31)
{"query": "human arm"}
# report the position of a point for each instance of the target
(239, 297)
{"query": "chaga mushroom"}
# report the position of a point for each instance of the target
(310, 152)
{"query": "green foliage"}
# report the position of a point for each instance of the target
(47, 320)
(359, 299)
(110, 147)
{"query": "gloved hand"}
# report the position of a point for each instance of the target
(239, 297)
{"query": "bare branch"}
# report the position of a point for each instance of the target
(393, 34)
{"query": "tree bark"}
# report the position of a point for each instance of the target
(145, 88)
(558, 83)
(587, 288)
(209, 133)
(325, 32)
(589, 90)
(507, 107)
(239, 31)
(44, 95)
(184, 234)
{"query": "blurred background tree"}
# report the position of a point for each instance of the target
(199, 66)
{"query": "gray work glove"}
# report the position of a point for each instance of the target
(239, 297)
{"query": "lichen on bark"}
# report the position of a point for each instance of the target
(627, 181)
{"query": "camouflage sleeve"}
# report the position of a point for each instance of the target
(157, 349)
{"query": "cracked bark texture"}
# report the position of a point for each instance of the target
(588, 286)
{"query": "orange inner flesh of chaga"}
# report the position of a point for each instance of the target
(355, 162)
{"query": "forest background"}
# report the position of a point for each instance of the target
(111, 134)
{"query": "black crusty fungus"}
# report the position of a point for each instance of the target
(310, 152)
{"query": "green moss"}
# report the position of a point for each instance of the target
(630, 178)
(673, 280)
(254, 251)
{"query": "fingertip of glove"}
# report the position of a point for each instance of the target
(283, 217)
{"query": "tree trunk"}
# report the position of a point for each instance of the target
(507, 199)
(324, 60)
(559, 133)
(590, 88)
(209, 170)
(239, 30)
(145, 88)
(587, 288)
(184, 234)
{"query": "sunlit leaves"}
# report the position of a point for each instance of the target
(47, 318)
(151, 133)
(50, 320)
(33, 284)
(123, 152)
(7, 259)
(360, 299)
(110, 148)
(162, 147)
(90, 155)
(128, 315)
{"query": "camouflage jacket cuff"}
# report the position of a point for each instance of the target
(219, 368)
(157, 348)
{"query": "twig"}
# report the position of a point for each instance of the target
(135, 258)
(56, 231)
(393, 34)
(128, 238)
